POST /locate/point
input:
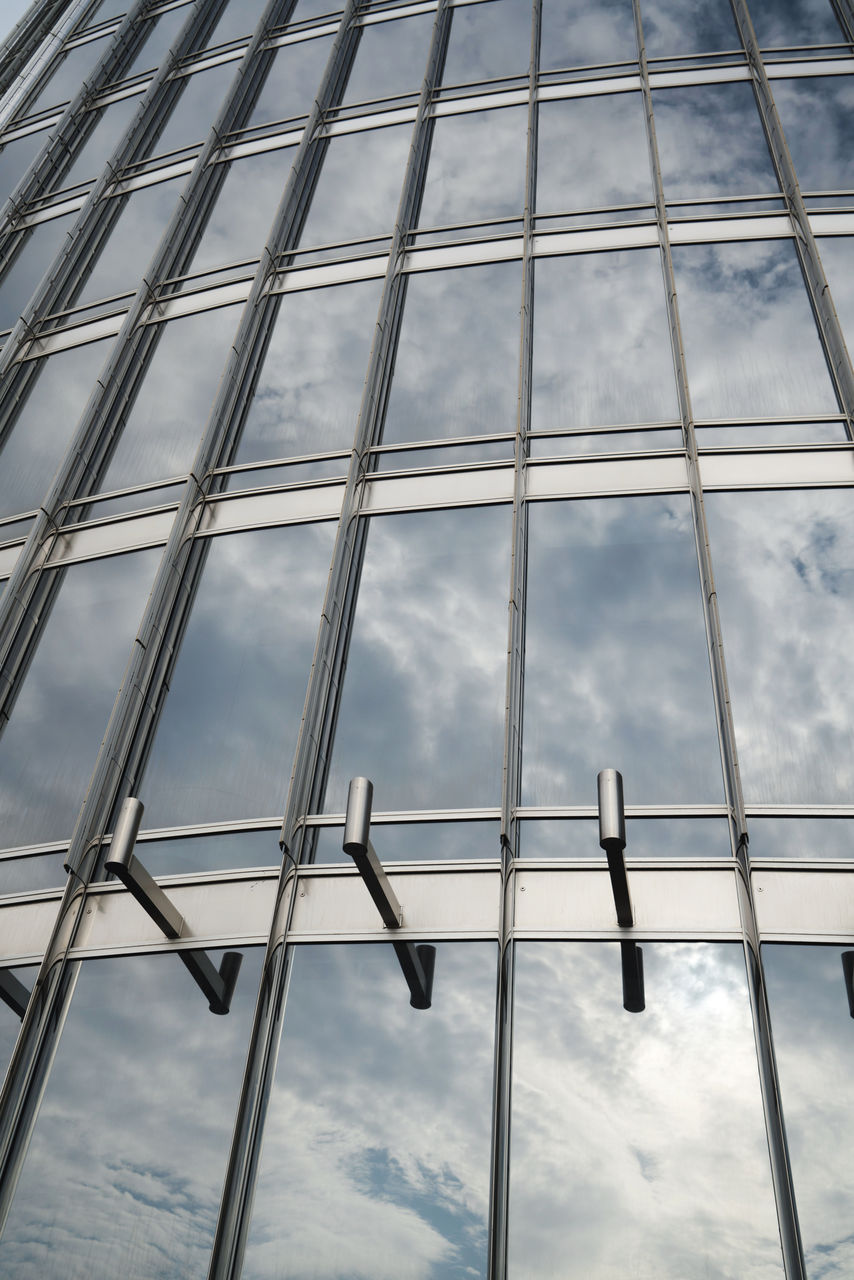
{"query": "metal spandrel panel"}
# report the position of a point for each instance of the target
(48, 748)
(476, 168)
(816, 116)
(592, 152)
(671, 27)
(382, 1111)
(637, 1140)
(232, 908)
(807, 904)
(574, 35)
(807, 839)
(647, 838)
(435, 904)
(146, 1149)
(789, 470)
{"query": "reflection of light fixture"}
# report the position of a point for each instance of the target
(848, 971)
(612, 838)
(417, 962)
(217, 984)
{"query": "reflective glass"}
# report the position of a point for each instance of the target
(710, 142)
(71, 68)
(802, 838)
(416, 842)
(125, 1166)
(291, 81)
(12, 12)
(130, 245)
(429, 648)
(602, 352)
(645, 838)
(33, 261)
(783, 569)
(637, 1141)
(161, 37)
(49, 747)
(238, 18)
(29, 875)
(226, 739)
(191, 855)
(17, 156)
(488, 41)
(576, 33)
(671, 27)
(837, 255)
(237, 228)
(813, 1040)
(310, 388)
(101, 143)
(10, 1023)
(751, 344)
(793, 22)
(604, 442)
(359, 186)
(378, 1123)
(457, 362)
(764, 433)
(45, 424)
(476, 168)
(616, 665)
(391, 59)
(167, 418)
(816, 114)
(195, 108)
(592, 152)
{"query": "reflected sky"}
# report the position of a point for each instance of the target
(165, 423)
(130, 245)
(391, 59)
(17, 155)
(710, 142)
(379, 1122)
(71, 68)
(616, 666)
(291, 81)
(308, 394)
(238, 228)
(476, 168)
(456, 369)
(803, 838)
(633, 1151)
(592, 152)
(416, 842)
(101, 143)
(49, 747)
(429, 649)
(576, 34)
(751, 344)
(602, 351)
(672, 27)
(837, 256)
(44, 425)
(791, 22)
(162, 35)
(813, 1043)
(359, 186)
(816, 115)
(792, 704)
(646, 838)
(225, 742)
(488, 41)
(34, 260)
(124, 1170)
(28, 875)
(221, 852)
(195, 108)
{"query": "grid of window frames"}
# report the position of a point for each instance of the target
(456, 395)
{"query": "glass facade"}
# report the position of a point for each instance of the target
(455, 395)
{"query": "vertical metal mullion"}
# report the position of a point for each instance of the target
(780, 1170)
(137, 701)
(827, 321)
(311, 757)
(30, 46)
(513, 722)
(844, 11)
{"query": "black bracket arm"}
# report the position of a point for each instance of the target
(612, 838)
(216, 984)
(13, 993)
(416, 961)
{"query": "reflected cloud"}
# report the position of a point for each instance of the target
(792, 22)
(33, 261)
(358, 190)
(391, 59)
(476, 168)
(576, 33)
(816, 116)
(671, 27)
(711, 143)
(290, 84)
(592, 152)
(131, 243)
(489, 41)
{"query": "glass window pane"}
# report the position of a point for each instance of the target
(592, 152)
(391, 59)
(784, 571)
(793, 22)
(802, 838)
(225, 742)
(17, 156)
(813, 1044)
(70, 70)
(224, 851)
(457, 362)
(616, 665)
(429, 646)
(710, 142)
(671, 27)
(101, 143)
(416, 842)
(237, 229)
(633, 1151)
(646, 838)
(751, 346)
(162, 35)
(382, 1112)
(577, 34)
(837, 255)
(310, 388)
(165, 423)
(44, 426)
(476, 169)
(291, 81)
(130, 245)
(359, 186)
(49, 747)
(576, 445)
(816, 114)
(239, 18)
(126, 1162)
(489, 41)
(34, 259)
(602, 352)
(195, 108)
(29, 875)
